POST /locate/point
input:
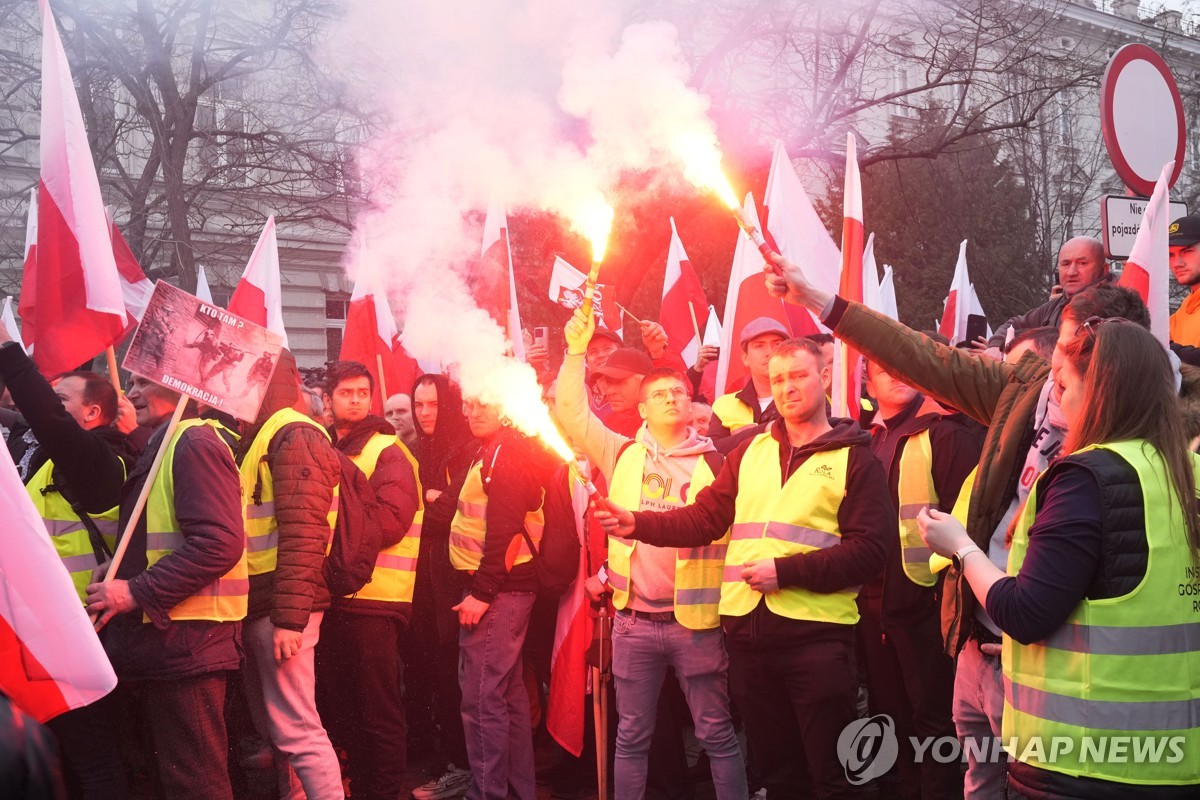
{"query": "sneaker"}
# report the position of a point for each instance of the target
(453, 784)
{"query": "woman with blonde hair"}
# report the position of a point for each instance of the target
(1099, 607)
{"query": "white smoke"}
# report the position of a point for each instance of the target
(540, 104)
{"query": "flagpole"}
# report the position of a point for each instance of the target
(636, 321)
(695, 325)
(140, 504)
(113, 375)
(382, 381)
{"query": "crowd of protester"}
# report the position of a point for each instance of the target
(995, 550)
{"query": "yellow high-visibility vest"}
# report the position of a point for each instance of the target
(258, 493)
(1124, 666)
(698, 570)
(223, 600)
(916, 492)
(774, 522)
(395, 571)
(732, 412)
(67, 532)
(469, 527)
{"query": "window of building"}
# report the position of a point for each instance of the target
(336, 306)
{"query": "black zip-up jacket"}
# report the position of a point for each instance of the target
(866, 520)
(955, 442)
(92, 464)
(396, 488)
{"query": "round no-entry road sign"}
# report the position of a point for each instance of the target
(1141, 117)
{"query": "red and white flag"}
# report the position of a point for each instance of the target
(1149, 261)
(846, 379)
(258, 296)
(566, 289)
(958, 302)
(50, 658)
(136, 288)
(203, 290)
(493, 285)
(28, 304)
(573, 631)
(887, 294)
(9, 321)
(71, 300)
(792, 225)
(683, 302)
(746, 300)
(369, 338)
(872, 290)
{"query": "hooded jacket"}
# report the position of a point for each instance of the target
(398, 492)
(866, 520)
(305, 471)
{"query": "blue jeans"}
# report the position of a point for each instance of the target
(642, 651)
(978, 708)
(495, 705)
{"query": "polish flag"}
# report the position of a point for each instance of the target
(136, 288)
(567, 699)
(258, 296)
(1146, 270)
(958, 302)
(368, 339)
(9, 321)
(846, 379)
(203, 290)
(567, 287)
(746, 299)
(27, 304)
(887, 294)
(872, 290)
(683, 301)
(791, 224)
(50, 658)
(495, 288)
(72, 297)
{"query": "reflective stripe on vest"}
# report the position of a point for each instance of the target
(67, 532)
(697, 569)
(775, 522)
(916, 493)
(469, 527)
(1124, 666)
(395, 570)
(223, 600)
(732, 412)
(262, 537)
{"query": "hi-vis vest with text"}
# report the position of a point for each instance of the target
(68, 534)
(395, 570)
(223, 600)
(732, 412)
(1125, 666)
(262, 530)
(469, 527)
(916, 492)
(698, 570)
(774, 522)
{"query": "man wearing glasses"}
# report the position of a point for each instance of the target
(666, 597)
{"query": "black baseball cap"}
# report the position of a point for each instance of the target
(1185, 230)
(623, 363)
(606, 333)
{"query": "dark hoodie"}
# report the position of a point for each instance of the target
(444, 458)
(304, 470)
(396, 489)
(866, 520)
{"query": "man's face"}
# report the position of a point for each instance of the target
(1185, 264)
(351, 400)
(398, 410)
(1066, 332)
(756, 355)
(620, 393)
(1080, 264)
(484, 420)
(151, 403)
(827, 354)
(70, 392)
(666, 405)
(892, 394)
(701, 417)
(1068, 384)
(798, 386)
(425, 407)
(598, 351)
